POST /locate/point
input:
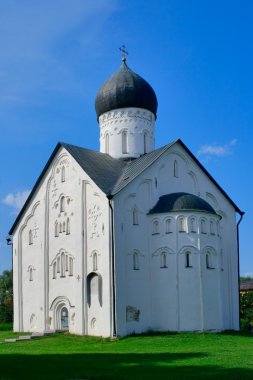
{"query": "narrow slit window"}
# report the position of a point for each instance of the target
(218, 228)
(62, 204)
(107, 143)
(30, 274)
(70, 266)
(175, 169)
(54, 270)
(30, 237)
(95, 261)
(208, 261)
(188, 260)
(192, 225)
(124, 142)
(63, 174)
(135, 217)
(212, 230)
(68, 227)
(203, 226)
(155, 227)
(164, 260)
(145, 142)
(182, 227)
(168, 228)
(63, 266)
(67, 263)
(136, 265)
(58, 264)
(56, 229)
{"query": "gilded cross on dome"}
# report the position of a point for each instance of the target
(124, 52)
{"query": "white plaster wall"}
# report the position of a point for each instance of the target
(174, 298)
(136, 122)
(29, 295)
(87, 209)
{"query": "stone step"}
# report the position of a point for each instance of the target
(24, 337)
(37, 335)
(34, 335)
(50, 332)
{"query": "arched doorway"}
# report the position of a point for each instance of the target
(64, 316)
(61, 310)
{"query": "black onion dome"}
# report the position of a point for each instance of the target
(181, 202)
(125, 89)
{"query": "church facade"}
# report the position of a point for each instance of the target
(129, 239)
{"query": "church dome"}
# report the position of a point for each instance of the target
(181, 202)
(124, 89)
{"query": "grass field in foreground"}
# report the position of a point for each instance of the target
(172, 356)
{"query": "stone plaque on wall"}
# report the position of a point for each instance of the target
(132, 314)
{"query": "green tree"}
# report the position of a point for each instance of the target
(245, 279)
(246, 306)
(6, 296)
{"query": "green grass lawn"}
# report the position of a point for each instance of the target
(172, 356)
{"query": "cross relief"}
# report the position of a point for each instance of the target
(94, 214)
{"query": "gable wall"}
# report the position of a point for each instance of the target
(61, 253)
(174, 294)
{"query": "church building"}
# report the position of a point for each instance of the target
(129, 239)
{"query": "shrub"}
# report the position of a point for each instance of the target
(6, 326)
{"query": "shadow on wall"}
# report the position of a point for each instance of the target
(107, 366)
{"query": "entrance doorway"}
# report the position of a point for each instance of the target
(64, 318)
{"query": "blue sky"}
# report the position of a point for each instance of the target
(197, 55)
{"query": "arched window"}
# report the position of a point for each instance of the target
(135, 217)
(203, 226)
(209, 262)
(30, 237)
(63, 174)
(68, 227)
(67, 263)
(95, 261)
(54, 269)
(107, 143)
(136, 265)
(212, 229)
(94, 289)
(168, 229)
(62, 204)
(181, 224)
(175, 169)
(218, 228)
(56, 229)
(155, 227)
(70, 266)
(192, 225)
(124, 142)
(188, 263)
(63, 227)
(60, 229)
(63, 265)
(30, 274)
(163, 260)
(58, 264)
(145, 142)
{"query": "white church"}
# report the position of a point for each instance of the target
(129, 239)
